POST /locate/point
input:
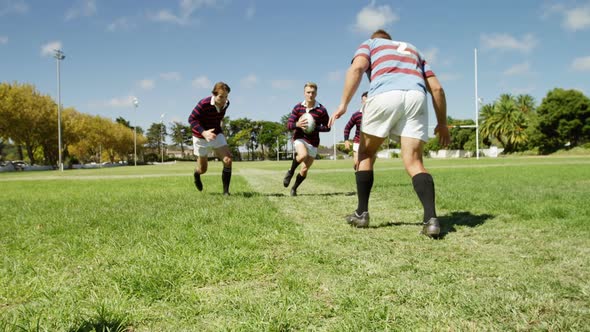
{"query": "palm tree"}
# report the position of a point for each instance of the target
(506, 121)
(525, 103)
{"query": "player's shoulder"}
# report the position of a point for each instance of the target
(205, 101)
(298, 106)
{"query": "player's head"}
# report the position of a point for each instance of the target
(220, 91)
(381, 34)
(310, 91)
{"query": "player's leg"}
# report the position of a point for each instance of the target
(200, 150)
(224, 154)
(308, 152)
(355, 154)
(364, 176)
(422, 182)
(300, 155)
(413, 136)
(380, 114)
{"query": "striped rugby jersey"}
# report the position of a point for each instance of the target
(320, 115)
(205, 116)
(355, 120)
(394, 65)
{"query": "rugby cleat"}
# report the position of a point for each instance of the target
(361, 221)
(431, 228)
(198, 182)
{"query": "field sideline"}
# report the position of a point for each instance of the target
(139, 249)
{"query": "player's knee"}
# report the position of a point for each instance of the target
(227, 161)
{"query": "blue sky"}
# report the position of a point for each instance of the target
(169, 54)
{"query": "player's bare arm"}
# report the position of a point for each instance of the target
(439, 102)
(354, 75)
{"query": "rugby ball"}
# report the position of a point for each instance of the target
(310, 123)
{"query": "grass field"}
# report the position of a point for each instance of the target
(140, 249)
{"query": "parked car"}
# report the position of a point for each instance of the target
(19, 165)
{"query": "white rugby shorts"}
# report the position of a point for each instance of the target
(355, 147)
(397, 112)
(202, 147)
(312, 151)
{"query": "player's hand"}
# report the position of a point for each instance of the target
(347, 145)
(209, 134)
(444, 137)
(302, 123)
(336, 115)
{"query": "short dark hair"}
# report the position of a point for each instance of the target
(220, 86)
(365, 94)
(381, 34)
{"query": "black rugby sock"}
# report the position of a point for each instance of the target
(364, 184)
(424, 187)
(294, 165)
(226, 178)
(298, 181)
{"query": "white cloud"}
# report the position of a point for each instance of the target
(3, 40)
(202, 82)
(117, 102)
(147, 84)
(508, 42)
(167, 16)
(431, 55)
(186, 10)
(282, 84)
(82, 8)
(336, 75)
(250, 12)
(518, 69)
(373, 17)
(13, 7)
(249, 81)
(121, 23)
(581, 64)
(577, 18)
(170, 76)
(49, 48)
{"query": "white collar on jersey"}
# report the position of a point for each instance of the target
(213, 103)
(317, 104)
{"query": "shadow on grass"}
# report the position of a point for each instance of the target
(103, 326)
(349, 193)
(249, 194)
(447, 223)
(462, 218)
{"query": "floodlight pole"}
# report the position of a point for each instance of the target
(477, 101)
(59, 55)
(162, 135)
(136, 104)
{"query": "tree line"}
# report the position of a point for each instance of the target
(517, 124)
(28, 121)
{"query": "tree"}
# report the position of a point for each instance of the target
(26, 117)
(460, 135)
(268, 132)
(180, 134)
(563, 119)
(124, 122)
(156, 136)
(507, 120)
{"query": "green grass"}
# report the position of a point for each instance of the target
(139, 249)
